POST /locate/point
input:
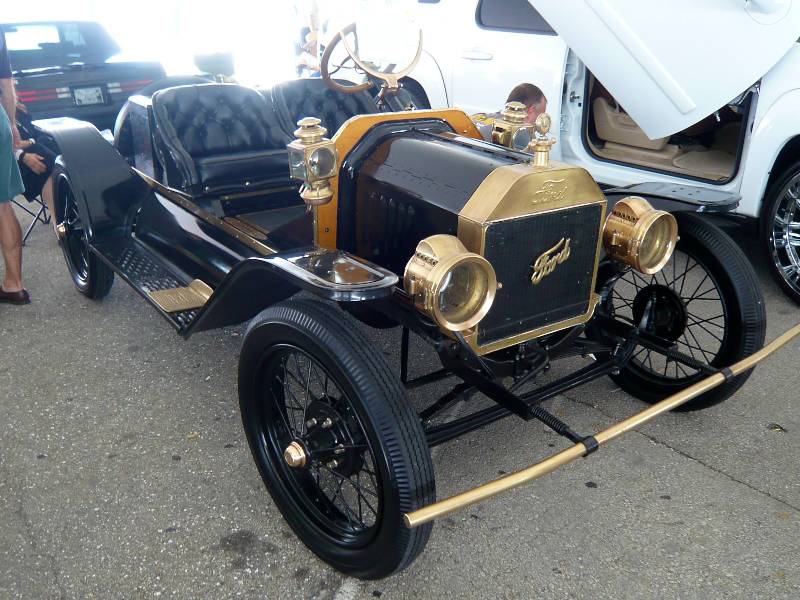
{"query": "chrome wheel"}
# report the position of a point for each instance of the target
(784, 240)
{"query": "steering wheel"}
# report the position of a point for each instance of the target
(325, 61)
(391, 80)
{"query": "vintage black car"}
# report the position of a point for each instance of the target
(501, 260)
(68, 69)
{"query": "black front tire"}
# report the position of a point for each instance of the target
(90, 274)
(366, 405)
(779, 231)
(715, 271)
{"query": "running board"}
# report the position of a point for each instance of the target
(178, 299)
(175, 295)
(591, 444)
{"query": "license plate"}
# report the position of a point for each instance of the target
(88, 95)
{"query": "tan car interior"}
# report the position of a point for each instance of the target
(706, 150)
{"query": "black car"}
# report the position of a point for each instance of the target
(502, 261)
(68, 69)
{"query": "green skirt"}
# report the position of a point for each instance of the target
(10, 179)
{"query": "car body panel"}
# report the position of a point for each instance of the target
(646, 52)
(475, 68)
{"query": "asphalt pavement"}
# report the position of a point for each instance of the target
(124, 474)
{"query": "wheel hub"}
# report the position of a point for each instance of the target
(295, 455)
(329, 440)
(668, 316)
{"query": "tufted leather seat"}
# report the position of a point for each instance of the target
(312, 98)
(218, 138)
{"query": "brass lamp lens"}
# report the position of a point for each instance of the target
(640, 236)
(462, 292)
(657, 245)
(453, 286)
(322, 162)
(522, 138)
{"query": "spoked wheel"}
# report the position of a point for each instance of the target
(780, 231)
(706, 300)
(90, 275)
(335, 439)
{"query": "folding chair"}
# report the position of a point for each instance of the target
(42, 215)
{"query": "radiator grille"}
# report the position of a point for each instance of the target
(513, 245)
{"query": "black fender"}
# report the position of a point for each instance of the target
(677, 197)
(105, 187)
(258, 282)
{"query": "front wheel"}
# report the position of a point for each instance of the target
(780, 231)
(706, 300)
(91, 276)
(335, 439)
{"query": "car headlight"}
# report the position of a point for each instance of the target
(451, 285)
(640, 236)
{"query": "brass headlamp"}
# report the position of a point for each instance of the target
(313, 160)
(454, 287)
(510, 129)
(640, 236)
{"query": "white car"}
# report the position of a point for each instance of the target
(656, 119)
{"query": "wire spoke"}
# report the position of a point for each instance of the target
(289, 429)
(708, 331)
(700, 346)
(694, 320)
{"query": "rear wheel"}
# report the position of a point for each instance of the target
(780, 231)
(706, 300)
(91, 276)
(335, 439)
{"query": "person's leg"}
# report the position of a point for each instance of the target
(11, 245)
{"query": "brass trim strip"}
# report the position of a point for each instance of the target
(508, 482)
(185, 201)
(250, 229)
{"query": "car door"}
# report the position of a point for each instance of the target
(670, 64)
(507, 43)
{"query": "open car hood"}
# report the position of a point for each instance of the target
(671, 63)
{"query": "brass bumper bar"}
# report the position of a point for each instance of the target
(508, 482)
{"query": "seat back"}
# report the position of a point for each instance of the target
(313, 98)
(615, 125)
(218, 138)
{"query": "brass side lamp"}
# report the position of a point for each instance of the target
(313, 159)
(510, 129)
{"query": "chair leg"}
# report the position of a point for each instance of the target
(28, 231)
(25, 208)
(41, 216)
